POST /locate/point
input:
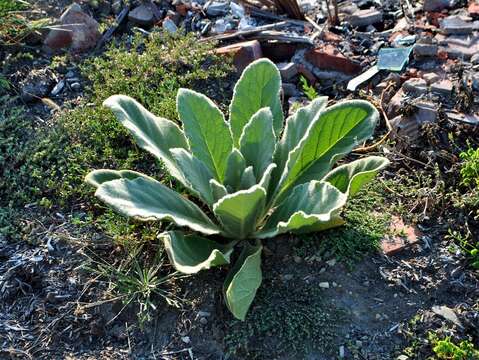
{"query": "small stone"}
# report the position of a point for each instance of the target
(170, 26)
(186, 339)
(217, 8)
(76, 86)
(425, 50)
(341, 352)
(416, 86)
(143, 15)
(365, 17)
(204, 314)
(36, 85)
(447, 313)
(322, 270)
(287, 70)
(324, 285)
(334, 284)
(402, 357)
(457, 25)
(297, 259)
(436, 5)
(70, 74)
(430, 77)
(331, 262)
(58, 88)
(359, 343)
(288, 277)
(378, 316)
(203, 321)
(442, 88)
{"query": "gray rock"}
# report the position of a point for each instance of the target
(424, 50)
(475, 59)
(79, 31)
(287, 70)
(365, 17)
(37, 84)
(416, 86)
(76, 86)
(436, 5)
(217, 8)
(442, 88)
(58, 88)
(170, 26)
(458, 25)
(144, 15)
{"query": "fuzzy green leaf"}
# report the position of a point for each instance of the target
(349, 178)
(239, 212)
(205, 127)
(312, 206)
(196, 173)
(243, 281)
(335, 133)
(192, 253)
(147, 199)
(154, 134)
(217, 190)
(296, 126)
(98, 177)
(247, 178)
(258, 87)
(235, 168)
(257, 142)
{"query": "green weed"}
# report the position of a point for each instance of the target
(139, 281)
(49, 162)
(308, 90)
(470, 167)
(446, 349)
(14, 24)
(467, 244)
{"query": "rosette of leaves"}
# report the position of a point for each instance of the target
(253, 177)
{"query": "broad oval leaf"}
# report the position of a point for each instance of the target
(196, 173)
(243, 281)
(98, 177)
(192, 253)
(349, 178)
(296, 126)
(154, 134)
(335, 133)
(310, 207)
(205, 127)
(258, 142)
(148, 199)
(239, 212)
(258, 87)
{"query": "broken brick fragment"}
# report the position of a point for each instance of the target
(402, 236)
(243, 53)
(329, 58)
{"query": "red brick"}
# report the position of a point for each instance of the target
(243, 53)
(329, 58)
(401, 237)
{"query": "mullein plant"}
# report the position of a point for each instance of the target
(257, 174)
